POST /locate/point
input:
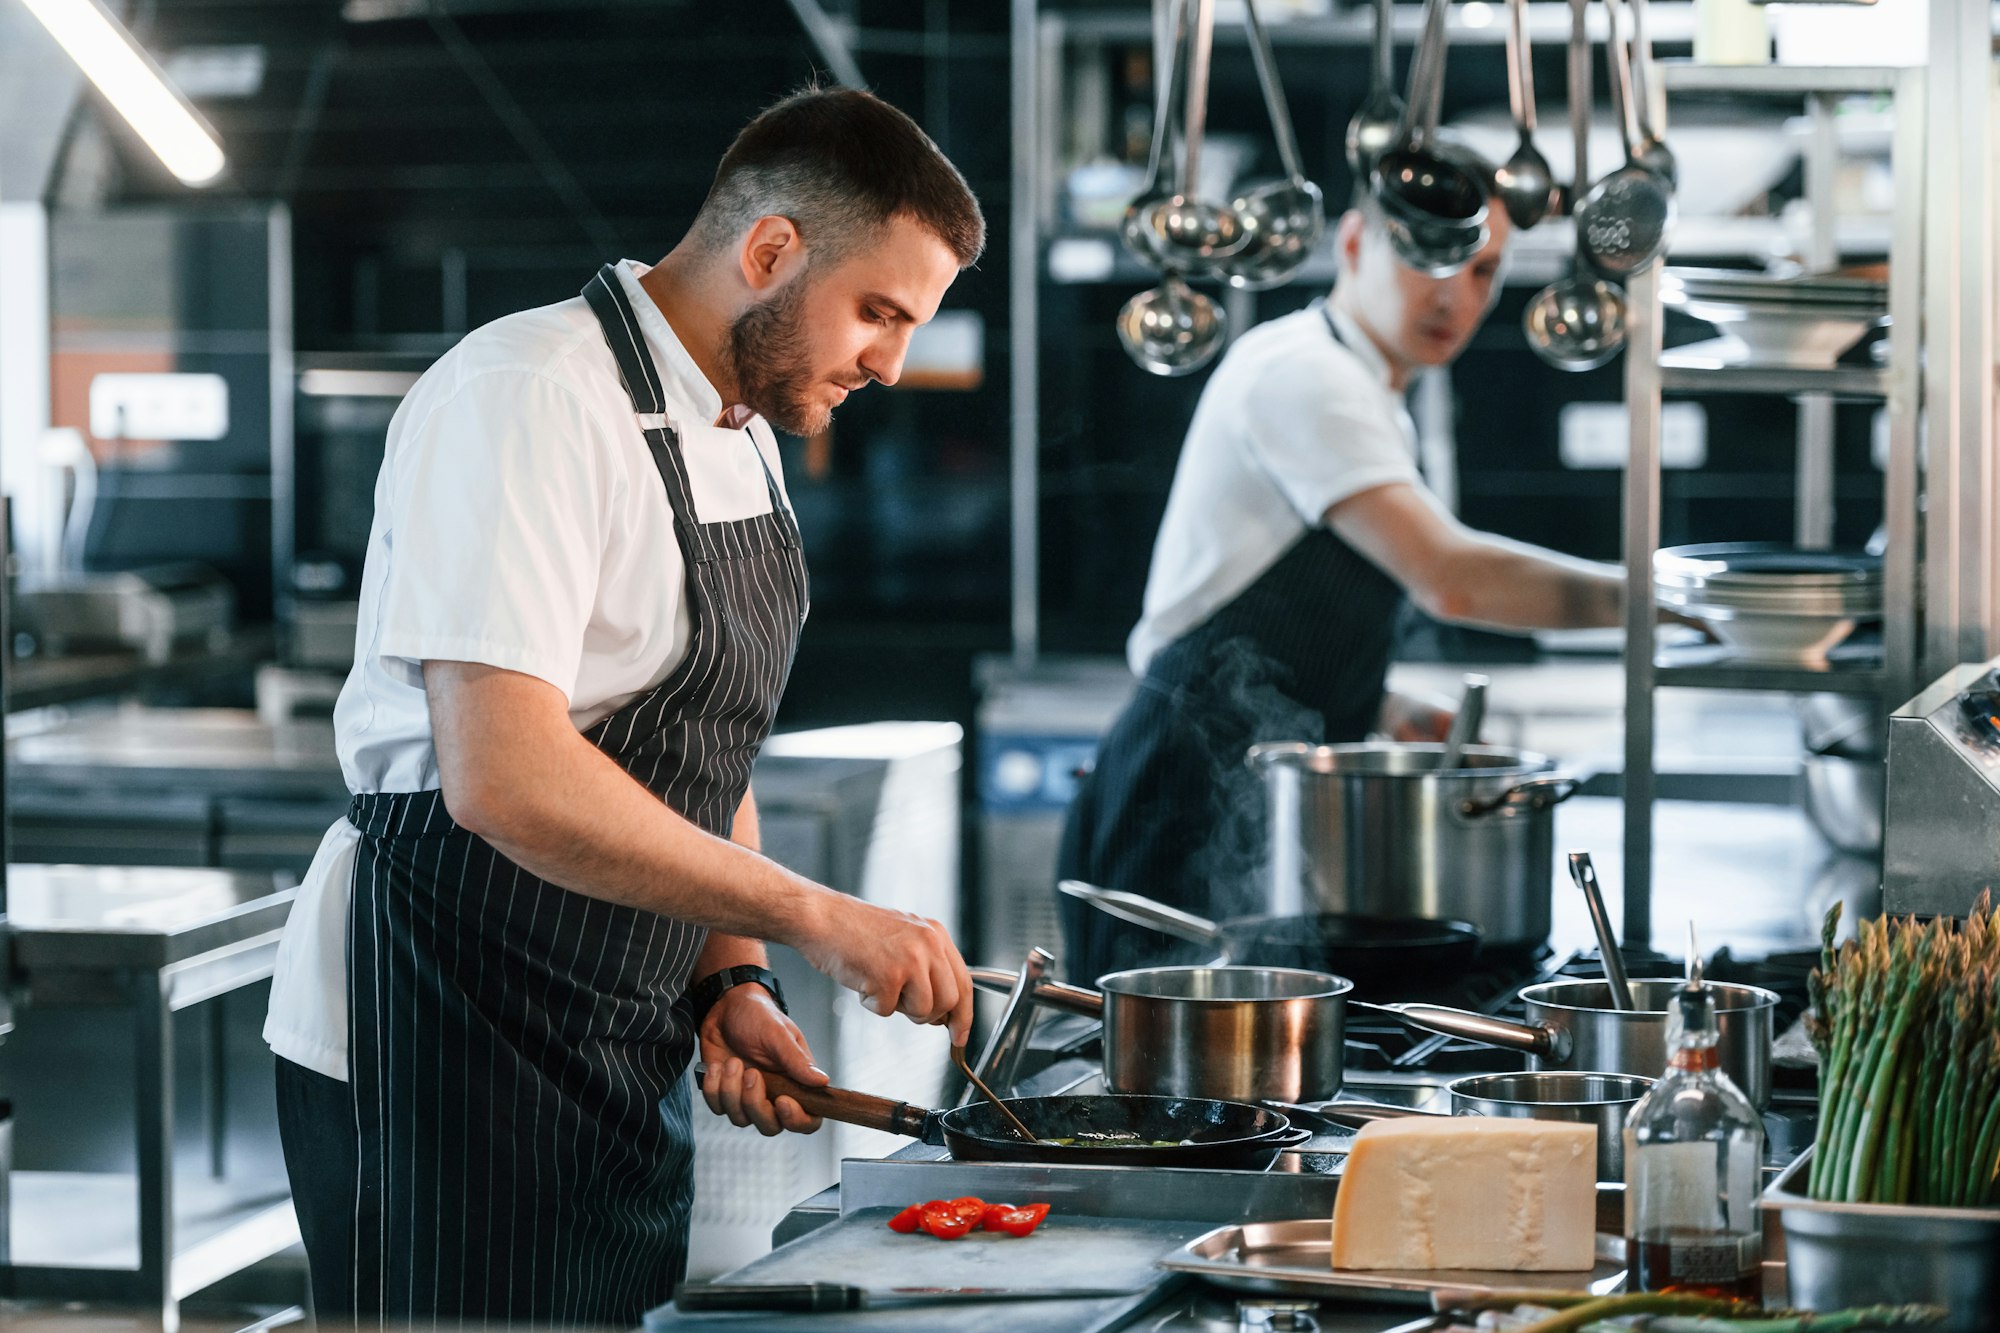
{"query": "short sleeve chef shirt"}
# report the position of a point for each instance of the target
(520, 522)
(1292, 422)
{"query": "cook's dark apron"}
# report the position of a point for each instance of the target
(1171, 810)
(518, 1049)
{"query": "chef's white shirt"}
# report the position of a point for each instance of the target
(520, 522)
(1292, 422)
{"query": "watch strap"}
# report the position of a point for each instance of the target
(702, 996)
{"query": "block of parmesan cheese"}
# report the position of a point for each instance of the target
(1467, 1192)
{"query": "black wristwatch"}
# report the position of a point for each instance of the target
(704, 993)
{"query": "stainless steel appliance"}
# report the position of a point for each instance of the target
(1375, 828)
(1941, 839)
(154, 610)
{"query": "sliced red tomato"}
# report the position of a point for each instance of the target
(1019, 1221)
(945, 1221)
(990, 1219)
(908, 1220)
(970, 1207)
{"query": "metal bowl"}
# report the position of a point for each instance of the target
(1844, 801)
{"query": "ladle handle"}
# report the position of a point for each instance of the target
(1145, 912)
(1054, 994)
(1618, 55)
(1274, 92)
(1425, 71)
(1520, 67)
(1166, 89)
(1385, 42)
(1642, 68)
(1194, 123)
(1579, 99)
(850, 1108)
(1585, 874)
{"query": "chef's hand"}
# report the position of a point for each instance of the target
(746, 1032)
(901, 963)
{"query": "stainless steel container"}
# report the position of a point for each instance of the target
(1375, 828)
(1240, 1034)
(1844, 801)
(1839, 1255)
(1571, 1025)
(1602, 1100)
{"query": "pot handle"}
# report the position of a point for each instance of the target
(1143, 911)
(1527, 796)
(1054, 994)
(1353, 1115)
(1535, 1039)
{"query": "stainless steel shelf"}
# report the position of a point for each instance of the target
(1783, 81)
(1683, 376)
(1667, 21)
(1709, 667)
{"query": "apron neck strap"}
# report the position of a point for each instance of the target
(641, 377)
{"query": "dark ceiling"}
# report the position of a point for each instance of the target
(499, 139)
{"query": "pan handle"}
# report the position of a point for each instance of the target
(857, 1108)
(1054, 994)
(1353, 1115)
(1524, 797)
(1535, 1039)
(1143, 911)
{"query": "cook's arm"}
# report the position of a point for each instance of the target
(1456, 574)
(515, 771)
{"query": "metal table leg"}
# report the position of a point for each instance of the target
(153, 1035)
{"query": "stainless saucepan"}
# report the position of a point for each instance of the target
(1572, 1025)
(1603, 1100)
(1240, 1034)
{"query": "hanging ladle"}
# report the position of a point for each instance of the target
(1434, 210)
(1577, 322)
(1377, 125)
(1585, 876)
(1171, 329)
(1652, 153)
(1284, 217)
(1186, 230)
(1136, 228)
(1623, 220)
(1526, 185)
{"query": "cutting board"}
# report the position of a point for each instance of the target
(861, 1251)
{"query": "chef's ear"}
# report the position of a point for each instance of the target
(771, 252)
(1347, 234)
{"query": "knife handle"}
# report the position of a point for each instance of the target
(785, 1297)
(849, 1108)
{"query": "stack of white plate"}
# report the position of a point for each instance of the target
(1805, 321)
(1768, 602)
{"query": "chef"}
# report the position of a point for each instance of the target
(581, 597)
(1297, 528)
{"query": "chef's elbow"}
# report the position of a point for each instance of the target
(479, 802)
(1442, 599)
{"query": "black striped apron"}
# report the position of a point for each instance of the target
(1170, 810)
(518, 1050)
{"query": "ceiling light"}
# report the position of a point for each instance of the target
(134, 86)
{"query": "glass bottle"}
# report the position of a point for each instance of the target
(1694, 1148)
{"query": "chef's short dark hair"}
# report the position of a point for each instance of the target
(839, 162)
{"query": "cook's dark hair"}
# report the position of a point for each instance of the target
(839, 162)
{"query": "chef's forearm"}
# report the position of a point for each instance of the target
(1506, 585)
(723, 949)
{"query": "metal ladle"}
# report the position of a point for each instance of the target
(1285, 217)
(1465, 724)
(1525, 183)
(1623, 220)
(1378, 124)
(1434, 209)
(1577, 322)
(1135, 229)
(1189, 231)
(1585, 876)
(1171, 329)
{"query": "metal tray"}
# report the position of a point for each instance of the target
(1295, 1259)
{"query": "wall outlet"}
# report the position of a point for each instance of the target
(159, 407)
(1595, 436)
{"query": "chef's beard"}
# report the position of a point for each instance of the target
(770, 358)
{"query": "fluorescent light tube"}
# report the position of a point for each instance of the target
(133, 85)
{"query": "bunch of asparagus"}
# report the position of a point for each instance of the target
(1906, 1019)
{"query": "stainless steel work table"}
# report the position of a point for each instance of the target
(158, 940)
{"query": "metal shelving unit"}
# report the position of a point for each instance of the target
(1888, 673)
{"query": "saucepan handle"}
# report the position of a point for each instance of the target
(1524, 797)
(1292, 1137)
(1143, 911)
(1054, 994)
(1352, 1115)
(1535, 1039)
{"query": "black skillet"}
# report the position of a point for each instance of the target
(1376, 953)
(1110, 1130)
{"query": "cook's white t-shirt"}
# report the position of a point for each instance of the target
(1293, 421)
(520, 522)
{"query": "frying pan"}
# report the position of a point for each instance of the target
(1374, 952)
(1171, 1131)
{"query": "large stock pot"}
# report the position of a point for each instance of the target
(1376, 828)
